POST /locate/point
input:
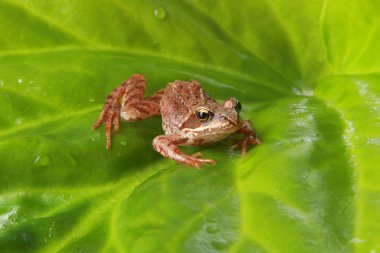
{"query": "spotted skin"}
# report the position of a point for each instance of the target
(179, 105)
(134, 106)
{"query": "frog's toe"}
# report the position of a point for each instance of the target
(115, 118)
(198, 162)
(207, 161)
(197, 155)
(243, 144)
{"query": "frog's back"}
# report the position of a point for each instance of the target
(178, 101)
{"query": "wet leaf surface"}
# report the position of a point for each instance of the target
(307, 74)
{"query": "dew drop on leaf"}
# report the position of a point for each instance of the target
(159, 13)
(51, 229)
(219, 244)
(94, 136)
(123, 142)
(5, 218)
(41, 160)
(27, 237)
(18, 121)
(91, 100)
(212, 229)
(373, 141)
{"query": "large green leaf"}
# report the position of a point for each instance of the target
(308, 76)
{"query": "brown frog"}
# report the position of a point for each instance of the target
(189, 117)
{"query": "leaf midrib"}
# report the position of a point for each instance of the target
(144, 54)
(120, 192)
(8, 133)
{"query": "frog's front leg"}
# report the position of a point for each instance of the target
(134, 107)
(249, 137)
(167, 145)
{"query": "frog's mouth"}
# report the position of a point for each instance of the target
(219, 128)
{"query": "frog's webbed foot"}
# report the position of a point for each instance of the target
(250, 138)
(166, 145)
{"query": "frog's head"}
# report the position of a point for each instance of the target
(212, 121)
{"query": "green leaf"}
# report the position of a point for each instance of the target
(306, 72)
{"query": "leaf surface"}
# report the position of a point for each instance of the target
(307, 74)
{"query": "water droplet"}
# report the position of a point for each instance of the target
(94, 136)
(357, 240)
(219, 244)
(37, 159)
(27, 237)
(1, 83)
(41, 160)
(18, 121)
(123, 142)
(373, 141)
(6, 218)
(212, 229)
(19, 81)
(159, 13)
(91, 99)
(51, 229)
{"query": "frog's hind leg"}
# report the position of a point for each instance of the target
(134, 106)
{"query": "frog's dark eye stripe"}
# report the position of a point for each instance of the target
(203, 115)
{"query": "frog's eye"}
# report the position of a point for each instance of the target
(238, 106)
(203, 115)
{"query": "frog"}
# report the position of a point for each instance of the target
(190, 117)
